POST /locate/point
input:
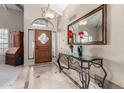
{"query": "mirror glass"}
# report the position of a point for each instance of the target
(89, 29)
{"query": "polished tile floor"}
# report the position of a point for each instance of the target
(8, 75)
(41, 76)
(47, 76)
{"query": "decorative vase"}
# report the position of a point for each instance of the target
(80, 51)
(71, 47)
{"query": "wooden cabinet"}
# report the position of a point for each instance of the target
(16, 39)
(15, 53)
(12, 56)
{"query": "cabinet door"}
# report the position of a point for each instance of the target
(14, 39)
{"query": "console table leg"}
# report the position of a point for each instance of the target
(82, 81)
(104, 76)
(88, 82)
(58, 61)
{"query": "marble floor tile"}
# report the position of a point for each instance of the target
(47, 76)
(8, 75)
(40, 76)
(21, 79)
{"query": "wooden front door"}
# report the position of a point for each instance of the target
(42, 46)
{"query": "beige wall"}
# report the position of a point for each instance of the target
(12, 20)
(32, 12)
(113, 52)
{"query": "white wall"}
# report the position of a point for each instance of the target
(12, 20)
(32, 12)
(113, 52)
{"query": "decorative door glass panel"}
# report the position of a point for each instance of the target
(43, 38)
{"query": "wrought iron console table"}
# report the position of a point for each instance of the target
(83, 66)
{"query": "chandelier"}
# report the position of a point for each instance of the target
(47, 12)
(45, 21)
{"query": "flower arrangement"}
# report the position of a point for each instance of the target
(70, 40)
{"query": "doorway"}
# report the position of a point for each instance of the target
(43, 46)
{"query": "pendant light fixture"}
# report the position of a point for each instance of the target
(45, 21)
(47, 12)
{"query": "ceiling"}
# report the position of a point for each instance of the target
(16, 7)
(58, 8)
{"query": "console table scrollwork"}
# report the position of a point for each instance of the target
(82, 66)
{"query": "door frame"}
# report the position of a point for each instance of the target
(35, 43)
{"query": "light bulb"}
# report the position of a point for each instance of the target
(49, 15)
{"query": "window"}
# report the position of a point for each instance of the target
(42, 22)
(31, 43)
(3, 41)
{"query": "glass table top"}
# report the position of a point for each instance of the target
(84, 57)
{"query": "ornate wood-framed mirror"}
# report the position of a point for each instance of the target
(90, 29)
